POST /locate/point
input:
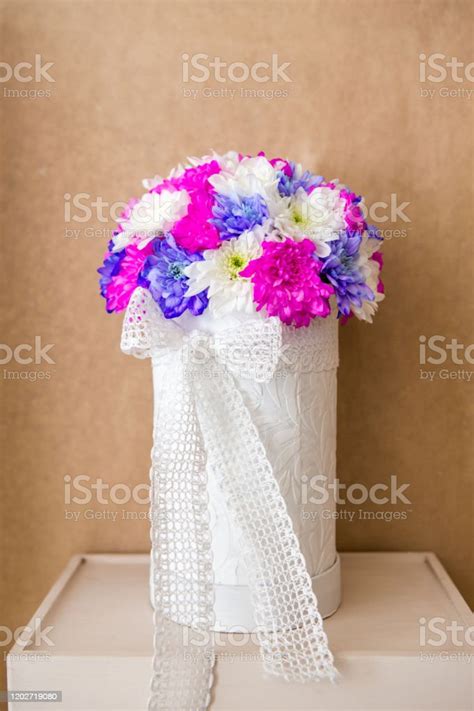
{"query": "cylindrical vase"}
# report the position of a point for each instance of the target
(295, 416)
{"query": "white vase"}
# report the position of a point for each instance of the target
(295, 415)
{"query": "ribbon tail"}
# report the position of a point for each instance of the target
(181, 551)
(289, 626)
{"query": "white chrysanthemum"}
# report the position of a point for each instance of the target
(370, 270)
(248, 177)
(318, 216)
(228, 161)
(150, 183)
(192, 162)
(219, 272)
(153, 215)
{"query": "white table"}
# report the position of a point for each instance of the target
(100, 616)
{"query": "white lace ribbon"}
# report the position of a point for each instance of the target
(202, 422)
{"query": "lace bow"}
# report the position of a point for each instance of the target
(202, 423)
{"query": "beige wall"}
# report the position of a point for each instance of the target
(117, 113)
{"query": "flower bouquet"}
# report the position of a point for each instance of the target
(234, 273)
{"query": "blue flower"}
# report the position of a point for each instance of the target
(374, 232)
(234, 216)
(292, 178)
(166, 281)
(342, 271)
(110, 267)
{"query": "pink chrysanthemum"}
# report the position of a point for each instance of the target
(287, 283)
(378, 257)
(194, 232)
(280, 164)
(121, 286)
(353, 215)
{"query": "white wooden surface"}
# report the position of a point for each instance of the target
(102, 635)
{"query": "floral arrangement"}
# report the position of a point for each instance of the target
(237, 233)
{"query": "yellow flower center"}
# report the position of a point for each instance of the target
(298, 217)
(235, 263)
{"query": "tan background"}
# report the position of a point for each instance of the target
(118, 114)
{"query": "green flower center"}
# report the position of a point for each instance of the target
(175, 270)
(235, 264)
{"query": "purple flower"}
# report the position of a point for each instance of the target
(292, 178)
(374, 233)
(110, 267)
(341, 270)
(167, 283)
(234, 216)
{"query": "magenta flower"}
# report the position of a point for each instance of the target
(121, 286)
(194, 231)
(287, 283)
(353, 214)
(378, 257)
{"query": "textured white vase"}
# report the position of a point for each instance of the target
(295, 415)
